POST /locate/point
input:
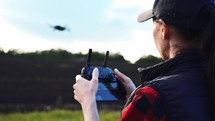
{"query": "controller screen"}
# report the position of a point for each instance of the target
(109, 91)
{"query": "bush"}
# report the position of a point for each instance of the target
(149, 59)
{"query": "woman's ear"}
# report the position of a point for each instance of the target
(164, 30)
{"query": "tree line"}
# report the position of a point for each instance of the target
(64, 54)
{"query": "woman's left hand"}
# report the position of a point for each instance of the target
(85, 94)
(85, 90)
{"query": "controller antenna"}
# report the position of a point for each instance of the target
(105, 60)
(89, 57)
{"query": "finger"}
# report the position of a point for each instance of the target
(120, 75)
(75, 97)
(95, 74)
(77, 77)
(74, 86)
(80, 78)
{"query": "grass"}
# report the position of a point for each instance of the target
(57, 115)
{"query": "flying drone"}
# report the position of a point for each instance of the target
(60, 28)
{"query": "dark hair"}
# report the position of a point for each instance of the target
(209, 52)
(202, 31)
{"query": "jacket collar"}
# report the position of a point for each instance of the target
(152, 72)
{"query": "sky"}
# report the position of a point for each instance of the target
(27, 25)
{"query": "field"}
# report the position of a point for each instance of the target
(57, 115)
(41, 89)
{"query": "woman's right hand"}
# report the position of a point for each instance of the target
(126, 82)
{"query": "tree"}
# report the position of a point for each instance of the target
(149, 59)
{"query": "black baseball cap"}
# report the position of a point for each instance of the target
(175, 12)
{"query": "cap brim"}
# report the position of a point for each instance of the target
(144, 16)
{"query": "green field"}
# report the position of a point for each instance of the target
(57, 115)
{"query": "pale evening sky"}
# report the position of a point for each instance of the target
(98, 24)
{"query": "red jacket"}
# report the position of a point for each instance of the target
(146, 105)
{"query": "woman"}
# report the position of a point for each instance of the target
(182, 87)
